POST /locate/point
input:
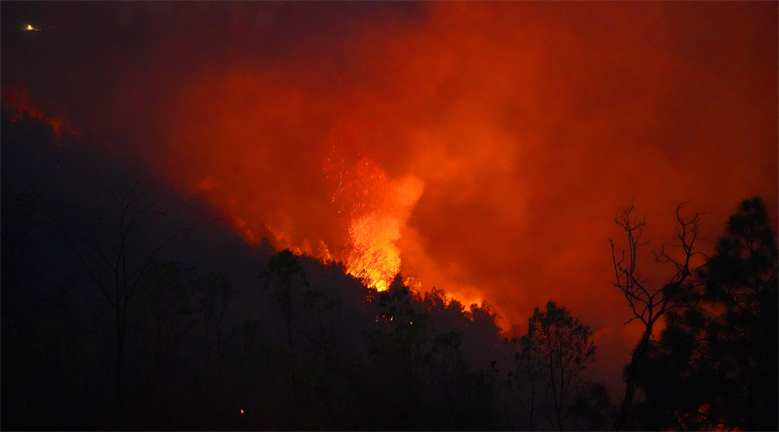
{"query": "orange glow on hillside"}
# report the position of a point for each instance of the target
(702, 421)
(16, 101)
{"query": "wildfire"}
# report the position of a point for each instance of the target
(374, 207)
(350, 208)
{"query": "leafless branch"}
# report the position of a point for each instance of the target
(179, 233)
(111, 299)
(653, 301)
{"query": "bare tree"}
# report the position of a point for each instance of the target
(647, 301)
(125, 264)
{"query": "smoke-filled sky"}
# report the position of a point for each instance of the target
(486, 146)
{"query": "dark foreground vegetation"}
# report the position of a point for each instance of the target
(125, 307)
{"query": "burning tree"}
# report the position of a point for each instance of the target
(649, 302)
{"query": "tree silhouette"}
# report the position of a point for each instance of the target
(324, 314)
(650, 302)
(167, 302)
(719, 355)
(398, 349)
(285, 279)
(214, 291)
(119, 269)
(592, 408)
(405, 342)
(526, 378)
(563, 346)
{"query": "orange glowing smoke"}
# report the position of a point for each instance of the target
(527, 124)
(16, 101)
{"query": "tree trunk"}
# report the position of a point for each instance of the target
(119, 361)
(532, 402)
(630, 381)
(289, 322)
(218, 341)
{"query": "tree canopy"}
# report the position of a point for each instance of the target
(715, 365)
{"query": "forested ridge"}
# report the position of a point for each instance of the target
(125, 306)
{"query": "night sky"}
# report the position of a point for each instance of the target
(482, 147)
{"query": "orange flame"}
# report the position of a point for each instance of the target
(374, 207)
